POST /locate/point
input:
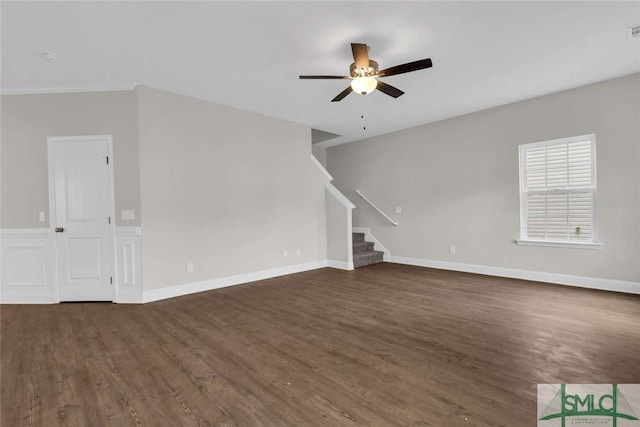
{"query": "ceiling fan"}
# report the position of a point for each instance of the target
(364, 73)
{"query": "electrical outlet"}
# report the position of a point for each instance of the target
(285, 254)
(189, 267)
(452, 249)
(41, 217)
(298, 252)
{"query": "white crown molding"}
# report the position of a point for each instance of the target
(208, 285)
(73, 89)
(536, 276)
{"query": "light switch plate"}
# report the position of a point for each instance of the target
(41, 217)
(128, 215)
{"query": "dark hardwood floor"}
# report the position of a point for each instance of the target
(385, 345)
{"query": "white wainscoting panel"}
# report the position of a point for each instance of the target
(27, 275)
(128, 265)
(28, 270)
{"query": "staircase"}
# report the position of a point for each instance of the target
(363, 253)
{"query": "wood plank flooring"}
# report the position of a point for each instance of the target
(385, 345)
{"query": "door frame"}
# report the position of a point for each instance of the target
(51, 140)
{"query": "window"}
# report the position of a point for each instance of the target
(557, 192)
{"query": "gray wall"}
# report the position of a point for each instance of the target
(339, 237)
(457, 182)
(27, 121)
(224, 189)
(320, 153)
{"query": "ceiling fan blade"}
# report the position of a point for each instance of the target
(324, 77)
(389, 90)
(342, 94)
(406, 68)
(360, 55)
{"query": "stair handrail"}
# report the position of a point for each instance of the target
(395, 223)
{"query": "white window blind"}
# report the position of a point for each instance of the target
(557, 190)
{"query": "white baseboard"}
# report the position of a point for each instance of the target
(207, 285)
(377, 245)
(537, 276)
(341, 265)
(129, 298)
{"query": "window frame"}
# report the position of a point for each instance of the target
(593, 243)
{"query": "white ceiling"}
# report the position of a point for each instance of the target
(249, 54)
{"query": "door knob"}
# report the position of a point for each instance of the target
(59, 229)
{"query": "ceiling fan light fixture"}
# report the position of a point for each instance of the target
(364, 85)
(364, 74)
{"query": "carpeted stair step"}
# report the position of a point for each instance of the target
(363, 253)
(359, 247)
(367, 258)
(358, 237)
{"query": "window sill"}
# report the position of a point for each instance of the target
(561, 244)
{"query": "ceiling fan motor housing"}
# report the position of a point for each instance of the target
(371, 71)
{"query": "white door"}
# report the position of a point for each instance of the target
(82, 209)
